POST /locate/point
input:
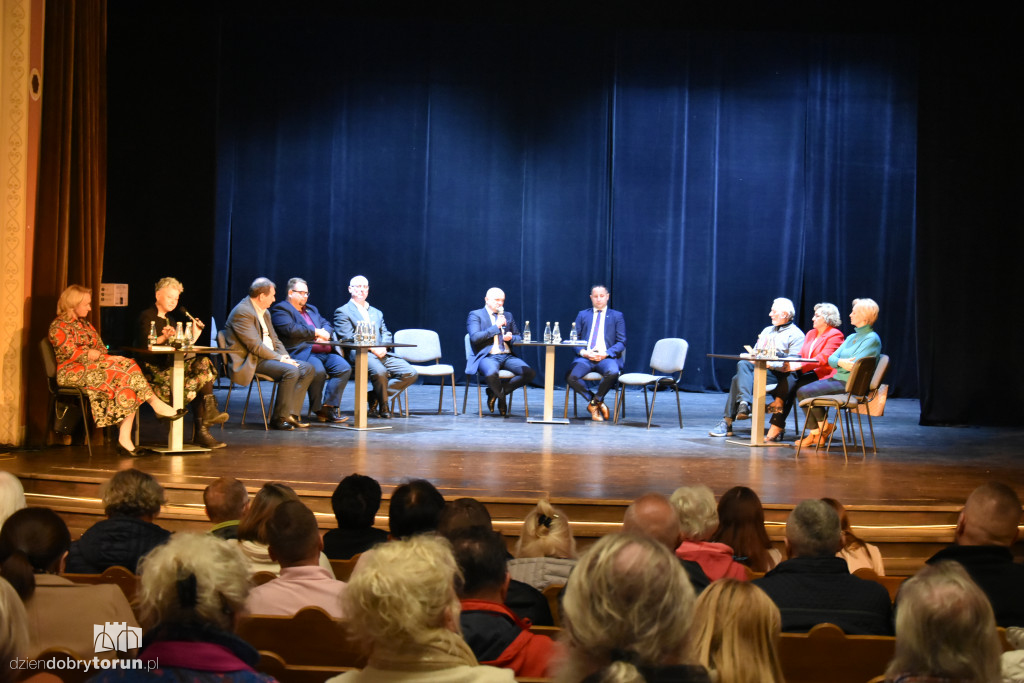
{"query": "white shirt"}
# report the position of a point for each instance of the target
(267, 340)
(498, 345)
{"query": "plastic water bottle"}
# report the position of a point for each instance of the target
(547, 333)
(556, 337)
(573, 337)
(187, 341)
(179, 336)
(152, 333)
(526, 332)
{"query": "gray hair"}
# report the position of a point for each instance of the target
(133, 493)
(13, 631)
(261, 285)
(171, 282)
(294, 281)
(785, 305)
(813, 530)
(945, 627)
(12, 495)
(829, 313)
(698, 511)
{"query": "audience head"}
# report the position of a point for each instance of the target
(293, 535)
(736, 629)
(945, 627)
(193, 579)
(253, 524)
(481, 556)
(462, 513)
(829, 313)
(32, 541)
(133, 493)
(261, 286)
(812, 530)
(785, 307)
(546, 533)
(628, 604)
(12, 495)
(741, 527)
(697, 510)
(226, 500)
(355, 502)
(867, 309)
(653, 515)
(847, 537)
(990, 516)
(415, 509)
(13, 632)
(403, 594)
(71, 297)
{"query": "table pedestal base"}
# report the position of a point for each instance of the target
(186, 448)
(552, 421)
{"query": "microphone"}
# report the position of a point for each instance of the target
(189, 315)
(501, 311)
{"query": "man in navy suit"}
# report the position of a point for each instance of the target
(491, 334)
(604, 330)
(382, 365)
(302, 329)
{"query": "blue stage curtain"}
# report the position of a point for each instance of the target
(700, 175)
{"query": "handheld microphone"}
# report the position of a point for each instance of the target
(501, 311)
(189, 315)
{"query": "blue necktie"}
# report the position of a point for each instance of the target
(593, 332)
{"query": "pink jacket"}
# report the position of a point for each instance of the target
(714, 558)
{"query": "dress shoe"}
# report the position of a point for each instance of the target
(282, 424)
(743, 412)
(595, 412)
(775, 406)
(296, 422)
(135, 453)
(171, 418)
(604, 410)
(329, 414)
(491, 398)
(502, 405)
(384, 414)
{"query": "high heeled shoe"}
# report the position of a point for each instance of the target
(171, 418)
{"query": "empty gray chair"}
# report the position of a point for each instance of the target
(427, 349)
(668, 359)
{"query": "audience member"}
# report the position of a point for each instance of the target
(12, 495)
(131, 500)
(494, 633)
(546, 550)
(252, 528)
(736, 630)
(652, 515)
(403, 598)
(191, 590)
(945, 629)
(814, 586)
(628, 609)
(355, 502)
(34, 543)
(741, 527)
(986, 529)
(698, 520)
(13, 633)
(226, 500)
(857, 553)
(295, 544)
(463, 513)
(414, 509)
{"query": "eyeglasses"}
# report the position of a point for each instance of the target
(295, 291)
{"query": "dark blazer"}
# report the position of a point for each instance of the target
(244, 337)
(614, 332)
(293, 330)
(345, 319)
(481, 336)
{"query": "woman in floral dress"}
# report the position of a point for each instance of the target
(115, 384)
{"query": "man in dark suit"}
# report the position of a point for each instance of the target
(255, 347)
(491, 334)
(382, 365)
(302, 330)
(604, 330)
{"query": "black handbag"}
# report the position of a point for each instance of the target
(67, 417)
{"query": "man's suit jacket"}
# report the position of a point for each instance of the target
(614, 332)
(345, 319)
(293, 330)
(481, 336)
(244, 336)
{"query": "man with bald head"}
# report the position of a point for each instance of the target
(984, 533)
(654, 516)
(492, 332)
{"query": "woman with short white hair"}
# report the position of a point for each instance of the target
(863, 343)
(698, 521)
(402, 600)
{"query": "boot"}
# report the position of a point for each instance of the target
(201, 435)
(211, 413)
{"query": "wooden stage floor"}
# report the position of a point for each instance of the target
(507, 459)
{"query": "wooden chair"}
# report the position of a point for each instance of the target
(50, 365)
(274, 665)
(71, 667)
(891, 583)
(553, 593)
(260, 578)
(125, 580)
(825, 653)
(311, 637)
(343, 568)
(549, 631)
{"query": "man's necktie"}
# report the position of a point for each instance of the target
(593, 332)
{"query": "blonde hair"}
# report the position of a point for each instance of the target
(546, 533)
(193, 577)
(945, 627)
(628, 604)
(13, 631)
(736, 630)
(698, 511)
(71, 297)
(403, 593)
(169, 282)
(868, 307)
